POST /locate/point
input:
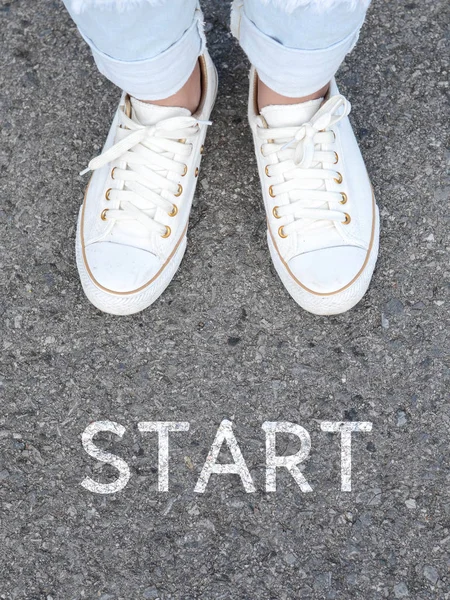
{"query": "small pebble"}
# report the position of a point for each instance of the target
(431, 574)
(290, 558)
(400, 590)
(401, 418)
(394, 307)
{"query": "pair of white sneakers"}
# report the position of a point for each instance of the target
(323, 224)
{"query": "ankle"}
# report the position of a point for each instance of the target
(267, 96)
(188, 96)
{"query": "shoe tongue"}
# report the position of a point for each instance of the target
(150, 114)
(290, 115)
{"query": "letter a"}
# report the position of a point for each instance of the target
(225, 434)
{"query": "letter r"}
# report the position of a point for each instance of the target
(273, 462)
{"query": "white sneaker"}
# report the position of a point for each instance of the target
(323, 223)
(132, 225)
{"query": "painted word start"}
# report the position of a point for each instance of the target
(223, 436)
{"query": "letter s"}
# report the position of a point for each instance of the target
(106, 457)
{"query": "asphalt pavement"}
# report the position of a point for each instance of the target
(225, 342)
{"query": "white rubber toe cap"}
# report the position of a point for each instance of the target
(118, 268)
(328, 270)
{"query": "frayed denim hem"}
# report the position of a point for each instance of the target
(79, 6)
(288, 5)
(318, 5)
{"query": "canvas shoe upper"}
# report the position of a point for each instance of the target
(323, 223)
(132, 226)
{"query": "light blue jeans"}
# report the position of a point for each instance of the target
(150, 51)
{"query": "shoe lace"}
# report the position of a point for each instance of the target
(300, 163)
(145, 156)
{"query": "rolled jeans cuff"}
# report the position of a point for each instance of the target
(292, 72)
(160, 76)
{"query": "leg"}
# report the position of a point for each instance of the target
(307, 47)
(148, 51)
(131, 233)
(322, 218)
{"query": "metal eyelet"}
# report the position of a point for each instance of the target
(180, 191)
(185, 171)
(262, 151)
(167, 233)
(339, 178)
(103, 215)
(344, 198)
(281, 232)
(336, 158)
(275, 212)
(174, 210)
(347, 219)
(112, 172)
(271, 192)
(202, 150)
(267, 171)
(196, 172)
(107, 194)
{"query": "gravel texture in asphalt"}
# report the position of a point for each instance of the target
(224, 342)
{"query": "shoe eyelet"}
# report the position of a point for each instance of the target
(339, 179)
(179, 192)
(334, 135)
(174, 210)
(196, 172)
(266, 170)
(271, 192)
(202, 150)
(281, 232)
(262, 151)
(185, 171)
(107, 194)
(167, 233)
(103, 214)
(347, 219)
(344, 198)
(275, 212)
(336, 158)
(112, 172)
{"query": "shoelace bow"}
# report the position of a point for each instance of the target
(145, 155)
(300, 163)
